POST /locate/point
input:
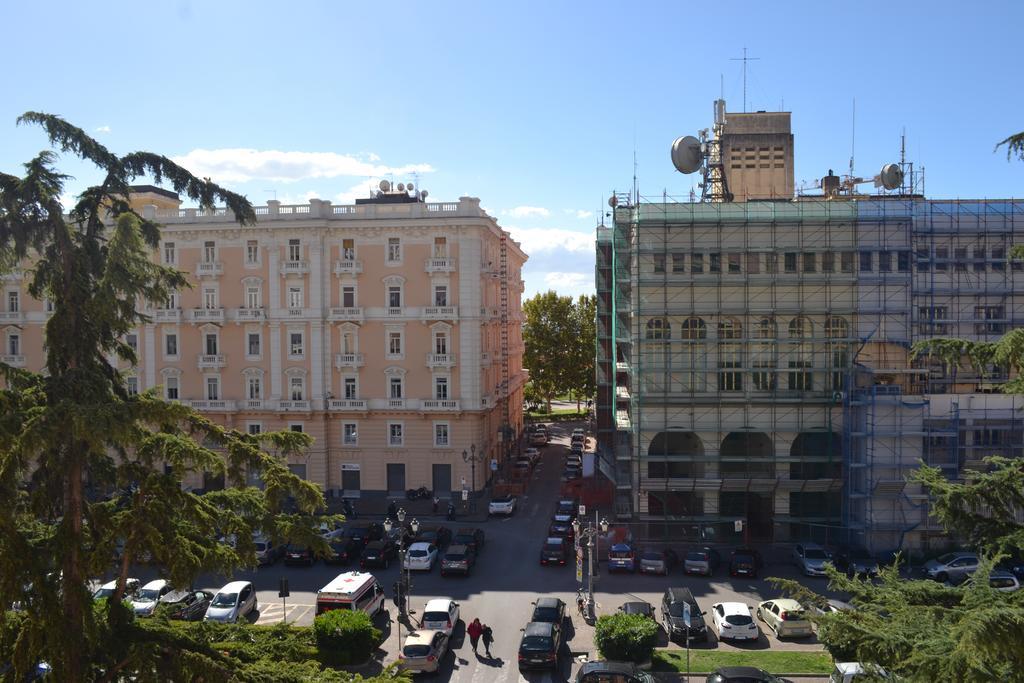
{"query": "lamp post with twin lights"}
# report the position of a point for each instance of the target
(472, 458)
(403, 586)
(590, 535)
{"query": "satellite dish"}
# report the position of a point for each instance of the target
(423, 194)
(401, 187)
(385, 186)
(613, 201)
(410, 187)
(891, 176)
(686, 154)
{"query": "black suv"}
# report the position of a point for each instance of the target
(539, 647)
(378, 554)
(364, 531)
(672, 614)
(619, 672)
(548, 610)
(554, 551)
(297, 554)
(471, 537)
(437, 534)
(345, 550)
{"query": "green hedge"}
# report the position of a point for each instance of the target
(348, 637)
(626, 637)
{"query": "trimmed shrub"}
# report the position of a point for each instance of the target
(345, 636)
(626, 637)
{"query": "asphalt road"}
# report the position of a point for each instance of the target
(507, 578)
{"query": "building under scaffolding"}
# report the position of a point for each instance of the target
(754, 371)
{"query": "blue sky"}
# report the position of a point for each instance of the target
(536, 108)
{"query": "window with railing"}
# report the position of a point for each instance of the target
(297, 388)
(212, 388)
(254, 387)
(350, 388)
(294, 250)
(348, 250)
(295, 299)
(350, 434)
(348, 296)
(209, 252)
(395, 387)
(441, 388)
(212, 343)
(440, 295)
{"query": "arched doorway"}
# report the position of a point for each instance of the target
(819, 455)
(676, 455)
(748, 455)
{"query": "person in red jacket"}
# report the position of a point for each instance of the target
(474, 630)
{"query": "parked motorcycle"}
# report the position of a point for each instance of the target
(416, 494)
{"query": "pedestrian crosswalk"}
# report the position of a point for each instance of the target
(272, 613)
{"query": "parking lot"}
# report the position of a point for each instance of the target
(505, 581)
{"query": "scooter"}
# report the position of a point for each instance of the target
(414, 494)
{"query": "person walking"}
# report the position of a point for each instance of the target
(488, 638)
(475, 630)
(437, 501)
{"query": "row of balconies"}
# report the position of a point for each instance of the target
(342, 267)
(333, 404)
(337, 314)
(341, 360)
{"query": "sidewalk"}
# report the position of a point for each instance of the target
(376, 508)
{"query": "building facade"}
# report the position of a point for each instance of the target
(389, 330)
(754, 365)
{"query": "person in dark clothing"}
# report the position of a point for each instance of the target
(488, 638)
(392, 510)
(474, 631)
(437, 501)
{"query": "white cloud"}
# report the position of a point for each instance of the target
(584, 214)
(569, 281)
(534, 240)
(527, 212)
(239, 165)
(103, 129)
(372, 157)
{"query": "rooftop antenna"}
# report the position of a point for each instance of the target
(636, 190)
(853, 135)
(721, 86)
(744, 59)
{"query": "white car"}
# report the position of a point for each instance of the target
(441, 615)
(144, 602)
(733, 621)
(502, 506)
(233, 602)
(532, 453)
(107, 589)
(420, 556)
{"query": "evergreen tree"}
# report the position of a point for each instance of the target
(72, 434)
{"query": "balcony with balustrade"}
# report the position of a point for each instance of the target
(17, 361)
(348, 360)
(346, 314)
(347, 404)
(294, 406)
(209, 269)
(167, 315)
(211, 360)
(348, 267)
(441, 313)
(206, 315)
(294, 267)
(439, 405)
(440, 264)
(246, 315)
(16, 317)
(252, 404)
(440, 360)
(212, 405)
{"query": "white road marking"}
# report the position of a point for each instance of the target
(271, 613)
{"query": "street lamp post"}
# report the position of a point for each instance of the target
(472, 458)
(404, 584)
(590, 534)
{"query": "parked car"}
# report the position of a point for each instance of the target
(567, 506)
(532, 454)
(672, 612)
(522, 467)
(420, 557)
(267, 552)
(850, 672)
(810, 559)
(297, 554)
(571, 473)
(145, 600)
(1003, 581)
(576, 448)
(602, 671)
(346, 550)
(621, 558)
(364, 531)
(743, 674)
(549, 610)
(657, 561)
(470, 537)
(638, 607)
(745, 562)
(539, 646)
(784, 616)
(423, 651)
(733, 621)
(441, 615)
(187, 605)
(538, 439)
(574, 461)
(505, 505)
(232, 602)
(855, 561)
(436, 534)
(561, 526)
(378, 554)
(458, 559)
(702, 561)
(554, 551)
(107, 589)
(952, 567)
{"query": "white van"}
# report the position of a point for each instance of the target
(353, 591)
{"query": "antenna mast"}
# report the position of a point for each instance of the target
(853, 135)
(744, 59)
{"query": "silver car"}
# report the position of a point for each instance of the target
(951, 567)
(811, 558)
(232, 602)
(145, 600)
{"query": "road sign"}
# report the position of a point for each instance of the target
(282, 588)
(465, 494)
(738, 525)
(494, 464)
(686, 615)
(583, 510)
(579, 570)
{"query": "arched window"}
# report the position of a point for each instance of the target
(694, 328)
(837, 327)
(730, 328)
(766, 328)
(801, 327)
(658, 328)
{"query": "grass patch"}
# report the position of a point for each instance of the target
(773, 661)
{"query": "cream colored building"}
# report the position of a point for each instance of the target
(375, 327)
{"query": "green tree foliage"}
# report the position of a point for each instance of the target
(82, 462)
(1014, 145)
(559, 334)
(348, 636)
(626, 637)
